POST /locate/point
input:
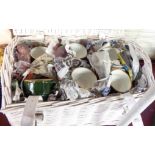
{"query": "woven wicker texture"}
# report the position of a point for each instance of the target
(100, 111)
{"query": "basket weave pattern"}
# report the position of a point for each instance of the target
(86, 111)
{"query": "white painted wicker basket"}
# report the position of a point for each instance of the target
(120, 109)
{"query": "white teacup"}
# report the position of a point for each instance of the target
(84, 77)
(76, 49)
(120, 81)
(37, 52)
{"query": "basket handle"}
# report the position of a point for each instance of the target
(34, 35)
(40, 35)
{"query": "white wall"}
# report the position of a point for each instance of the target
(5, 36)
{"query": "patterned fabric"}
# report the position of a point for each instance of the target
(1, 60)
(1, 56)
(0, 96)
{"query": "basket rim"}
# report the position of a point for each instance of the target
(17, 39)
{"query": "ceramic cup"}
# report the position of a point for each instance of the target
(37, 51)
(120, 81)
(84, 77)
(77, 50)
(41, 87)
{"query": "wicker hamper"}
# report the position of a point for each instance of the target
(120, 109)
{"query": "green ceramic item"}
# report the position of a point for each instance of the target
(41, 87)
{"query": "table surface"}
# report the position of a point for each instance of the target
(148, 115)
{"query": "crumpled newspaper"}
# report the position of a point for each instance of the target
(41, 66)
(73, 91)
